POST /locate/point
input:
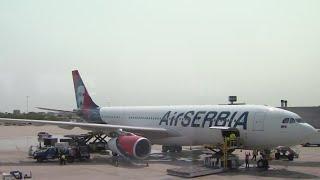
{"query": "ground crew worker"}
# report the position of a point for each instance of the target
(233, 139)
(219, 155)
(264, 160)
(227, 139)
(254, 155)
(247, 154)
(63, 157)
(60, 157)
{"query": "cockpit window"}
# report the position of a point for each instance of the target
(299, 120)
(292, 120)
(286, 120)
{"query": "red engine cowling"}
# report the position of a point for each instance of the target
(130, 145)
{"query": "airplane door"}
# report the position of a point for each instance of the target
(258, 123)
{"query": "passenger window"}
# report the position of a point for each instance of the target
(292, 120)
(286, 120)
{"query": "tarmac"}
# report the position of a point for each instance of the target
(15, 141)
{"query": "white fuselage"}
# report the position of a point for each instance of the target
(259, 126)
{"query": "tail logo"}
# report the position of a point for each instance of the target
(87, 108)
(83, 99)
(80, 95)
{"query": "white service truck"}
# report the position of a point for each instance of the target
(315, 140)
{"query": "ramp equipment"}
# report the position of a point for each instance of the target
(223, 151)
(218, 160)
(96, 141)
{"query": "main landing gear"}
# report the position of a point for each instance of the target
(171, 148)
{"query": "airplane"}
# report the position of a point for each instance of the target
(132, 130)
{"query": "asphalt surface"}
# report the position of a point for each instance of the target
(15, 141)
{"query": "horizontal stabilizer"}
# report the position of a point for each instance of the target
(55, 110)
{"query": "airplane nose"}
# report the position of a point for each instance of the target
(308, 131)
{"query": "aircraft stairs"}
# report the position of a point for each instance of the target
(224, 152)
(227, 148)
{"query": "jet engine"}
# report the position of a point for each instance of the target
(130, 145)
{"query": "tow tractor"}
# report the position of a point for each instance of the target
(46, 154)
(72, 153)
(283, 152)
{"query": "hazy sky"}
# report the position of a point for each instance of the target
(163, 52)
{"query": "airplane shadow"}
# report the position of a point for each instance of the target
(155, 158)
(94, 161)
(296, 163)
(194, 160)
(183, 159)
(273, 173)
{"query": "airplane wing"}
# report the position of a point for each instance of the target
(148, 132)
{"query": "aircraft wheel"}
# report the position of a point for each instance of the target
(172, 149)
(70, 159)
(179, 149)
(290, 157)
(39, 159)
(164, 148)
(306, 145)
(116, 163)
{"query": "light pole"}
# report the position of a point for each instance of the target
(27, 104)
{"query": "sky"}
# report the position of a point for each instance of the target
(168, 52)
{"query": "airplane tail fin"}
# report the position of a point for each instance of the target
(87, 109)
(83, 98)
